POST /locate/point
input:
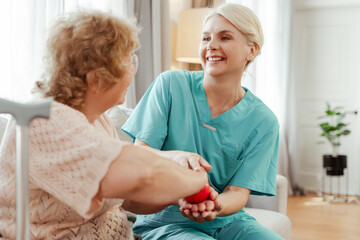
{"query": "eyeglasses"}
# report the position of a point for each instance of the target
(135, 62)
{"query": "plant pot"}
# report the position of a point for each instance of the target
(334, 165)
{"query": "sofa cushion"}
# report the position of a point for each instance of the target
(118, 116)
(274, 221)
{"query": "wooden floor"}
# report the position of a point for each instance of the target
(315, 219)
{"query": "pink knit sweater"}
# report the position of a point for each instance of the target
(68, 157)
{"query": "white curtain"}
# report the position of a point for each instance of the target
(154, 53)
(23, 25)
(268, 77)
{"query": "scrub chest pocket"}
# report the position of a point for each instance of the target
(225, 165)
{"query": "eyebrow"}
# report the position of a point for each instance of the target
(222, 31)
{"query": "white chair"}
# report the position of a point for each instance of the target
(271, 211)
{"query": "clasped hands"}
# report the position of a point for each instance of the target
(208, 209)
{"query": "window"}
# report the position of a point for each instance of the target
(23, 27)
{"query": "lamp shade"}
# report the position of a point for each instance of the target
(189, 34)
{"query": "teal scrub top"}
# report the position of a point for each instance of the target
(241, 144)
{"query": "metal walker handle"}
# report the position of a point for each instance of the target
(24, 114)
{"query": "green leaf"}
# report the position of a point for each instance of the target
(330, 113)
(346, 132)
(325, 124)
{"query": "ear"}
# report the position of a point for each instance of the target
(253, 49)
(92, 80)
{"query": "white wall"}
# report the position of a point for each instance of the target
(325, 67)
(175, 7)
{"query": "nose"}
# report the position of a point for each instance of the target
(212, 45)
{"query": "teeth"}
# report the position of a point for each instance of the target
(215, 58)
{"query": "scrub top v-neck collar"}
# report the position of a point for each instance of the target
(203, 109)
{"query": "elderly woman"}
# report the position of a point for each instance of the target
(81, 175)
(208, 112)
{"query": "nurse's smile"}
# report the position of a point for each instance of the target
(215, 59)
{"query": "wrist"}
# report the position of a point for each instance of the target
(219, 206)
(167, 154)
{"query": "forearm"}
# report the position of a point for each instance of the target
(167, 154)
(141, 208)
(145, 177)
(232, 200)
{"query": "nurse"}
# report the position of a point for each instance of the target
(209, 113)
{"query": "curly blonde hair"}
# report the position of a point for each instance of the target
(81, 42)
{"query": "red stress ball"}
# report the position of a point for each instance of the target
(200, 196)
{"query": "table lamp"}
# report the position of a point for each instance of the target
(189, 34)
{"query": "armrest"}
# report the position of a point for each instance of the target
(276, 203)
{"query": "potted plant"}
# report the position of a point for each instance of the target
(333, 130)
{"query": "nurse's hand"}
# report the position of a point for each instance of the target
(190, 160)
(202, 212)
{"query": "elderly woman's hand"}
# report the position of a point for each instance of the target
(202, 212)
(186, 159)
(190, 160)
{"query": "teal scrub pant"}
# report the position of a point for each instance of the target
(236, 230)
